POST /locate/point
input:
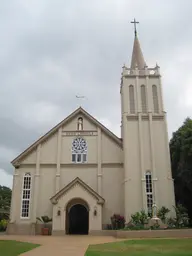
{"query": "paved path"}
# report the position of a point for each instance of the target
(60, 245)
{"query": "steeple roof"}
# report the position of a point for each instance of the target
(137, 55)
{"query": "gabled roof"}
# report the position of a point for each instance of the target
(80, 110)
(55, 198)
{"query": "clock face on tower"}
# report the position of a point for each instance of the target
(79, 145)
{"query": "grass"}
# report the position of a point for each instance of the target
(14, 248)
(153, 247)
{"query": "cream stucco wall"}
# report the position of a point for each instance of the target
(145, 143)
(51, 167)
(95, 222)
(86, 174)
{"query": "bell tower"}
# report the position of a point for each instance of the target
(147, 168)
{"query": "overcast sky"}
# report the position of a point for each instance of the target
(52, 51)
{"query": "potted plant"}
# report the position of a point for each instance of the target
(44, 220)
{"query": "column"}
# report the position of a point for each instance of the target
(35, 185)
(149, 108)
(142, 171)
(137, 94)
(13, 212)
(154, 174)
(99, 169)
(58, 171)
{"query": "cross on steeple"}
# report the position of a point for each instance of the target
(135, 25)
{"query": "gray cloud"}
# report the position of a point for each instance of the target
(54, 50)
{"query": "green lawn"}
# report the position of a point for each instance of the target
(155, 247)
(14, 248)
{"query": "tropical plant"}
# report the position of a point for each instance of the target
(181, 219)
(44, 220)
(139, 218)
(3, 224)
(162, 213)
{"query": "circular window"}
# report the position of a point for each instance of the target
(79, 145)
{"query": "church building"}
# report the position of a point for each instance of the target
(80, 173)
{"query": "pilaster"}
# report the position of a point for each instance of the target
(13, 211)
(58, 171)
(153, 166)
(141, 157)
(149, 107)
(35, 186)
(99, 168)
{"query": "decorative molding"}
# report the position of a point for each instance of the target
(112, 165)
(79, 165)
(73, 165)
(49, 165)
(132, 117)
(157, 117)
(79, 133)
(30, 165)
(71, 185)
(144, 117)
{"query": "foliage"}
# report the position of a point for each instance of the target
(3, 225)
(14, 248)
(143, 247)
(162, 213)
(44, 219)
(139, 218)
(181, 163)
(181, 220)
(155, 226)
(117, 221)
(131, 226)
(5, 202)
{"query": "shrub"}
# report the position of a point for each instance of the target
(44, 220)
(162, 213)
(139, 218)
(3, 225)
(117, 221)
(181, 220)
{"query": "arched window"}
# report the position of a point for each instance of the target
(79, 150)
(80, 124)
(149, 191)
(26, 196)
(155, 99)
(131, 99)
(143, 99)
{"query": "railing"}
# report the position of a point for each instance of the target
(140, 72)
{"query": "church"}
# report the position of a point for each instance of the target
(80, 173)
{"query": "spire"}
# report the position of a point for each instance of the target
(137, 55)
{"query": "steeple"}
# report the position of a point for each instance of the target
(137, 55)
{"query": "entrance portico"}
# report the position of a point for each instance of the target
(77, 209)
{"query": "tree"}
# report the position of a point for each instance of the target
(5, 202)
(181, 162)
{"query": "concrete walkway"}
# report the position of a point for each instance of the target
(60, 246)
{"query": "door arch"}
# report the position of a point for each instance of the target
(77, 217)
